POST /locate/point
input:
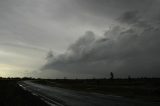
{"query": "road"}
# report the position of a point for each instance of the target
(55, 96)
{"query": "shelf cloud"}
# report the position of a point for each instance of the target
(129, 49)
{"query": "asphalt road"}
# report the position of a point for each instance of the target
(55, 96)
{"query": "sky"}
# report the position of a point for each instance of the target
(79, 38)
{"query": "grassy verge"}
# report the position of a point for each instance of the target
(13, 95)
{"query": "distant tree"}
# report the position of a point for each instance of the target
(111, 75)
(129, 77)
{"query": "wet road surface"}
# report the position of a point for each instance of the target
(55, 96)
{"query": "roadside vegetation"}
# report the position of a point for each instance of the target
(11, 94)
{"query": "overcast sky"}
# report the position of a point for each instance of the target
(79, 38)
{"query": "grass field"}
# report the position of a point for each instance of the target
(143, 88)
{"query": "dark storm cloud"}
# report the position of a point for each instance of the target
(133, 18)
(131, 50)
(130, 17)
(112, 8)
